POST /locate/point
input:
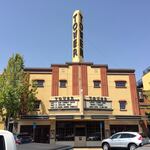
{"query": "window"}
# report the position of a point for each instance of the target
(2, 143)
(122, 104)
(127, 135)
(120, 84)
(96, 83)
(37, 104)
(62, 83)
(140, 95)
(38, 83)
(116, 136)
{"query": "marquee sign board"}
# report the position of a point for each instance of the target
(64, 104)
(98, 104)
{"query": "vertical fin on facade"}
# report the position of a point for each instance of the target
(77, 37)
(104, 81)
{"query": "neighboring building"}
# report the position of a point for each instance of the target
(143, 86)
(81, 102)
(146, 79)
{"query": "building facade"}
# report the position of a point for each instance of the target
(144, 99)
(79, 102)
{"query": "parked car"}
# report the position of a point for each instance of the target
(129, 140)
(7, 141)
(22, 138)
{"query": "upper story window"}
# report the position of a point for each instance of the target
(122, 104)
(38, 83)
(120, 84)
(37, 104)
(63, 83)
(97, 84)
(140, 95)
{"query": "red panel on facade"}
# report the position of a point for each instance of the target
(134, 96)
(75, 80)
(104, 82)
(84, 79)
(55, 80)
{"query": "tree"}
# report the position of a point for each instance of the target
(16, 95)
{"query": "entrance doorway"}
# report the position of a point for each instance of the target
(80, 136)
(42, 134)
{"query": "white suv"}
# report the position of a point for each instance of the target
(129, 140)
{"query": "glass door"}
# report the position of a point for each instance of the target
(80, 136)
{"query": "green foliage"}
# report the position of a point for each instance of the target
(16, 95)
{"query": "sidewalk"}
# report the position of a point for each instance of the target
(140, 148)
(41, 146)
(147, 145)
(87, 149)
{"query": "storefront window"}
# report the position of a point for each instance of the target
(120, 128)
(94, 131)
(64, 131)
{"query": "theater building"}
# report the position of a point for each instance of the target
(80, 103)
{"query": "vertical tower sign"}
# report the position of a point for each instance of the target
(77, 37)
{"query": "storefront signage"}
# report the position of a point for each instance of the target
(102, 98)
(67, 98)
(63, 104)
(77, 37)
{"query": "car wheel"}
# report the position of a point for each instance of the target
(132, 147)
(106, 146)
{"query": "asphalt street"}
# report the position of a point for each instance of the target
(38, 146)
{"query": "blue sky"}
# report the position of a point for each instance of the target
(116, 32)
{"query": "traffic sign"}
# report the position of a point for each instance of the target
(34, 125)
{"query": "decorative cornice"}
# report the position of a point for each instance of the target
(37, 70)
(121, 71)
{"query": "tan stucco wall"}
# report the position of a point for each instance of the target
(93, 74)
(43, 93)
(66, 74)
(117, 94)
(146, 81)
